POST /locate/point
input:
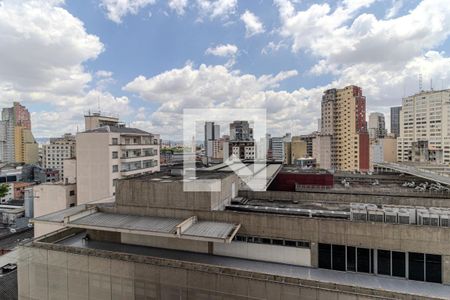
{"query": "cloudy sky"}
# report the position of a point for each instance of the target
(146, 60)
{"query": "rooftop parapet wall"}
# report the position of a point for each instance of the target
(168, 191)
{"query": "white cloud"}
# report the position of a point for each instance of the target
(103, 74)
(117, 9)
(217, 86)
(384, 57)
(216, 8)
(228, 50)
(252, 23)
(43, 50)
(394, 9)
(223, 50)
(179, 6)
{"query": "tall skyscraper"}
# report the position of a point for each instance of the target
(424, 128)
(212, 132)
(344, 119)
(17, 143)
(395, 120)
(377, 125)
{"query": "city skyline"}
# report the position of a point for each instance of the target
(139, 59)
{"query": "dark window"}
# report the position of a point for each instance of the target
(115, 154)
(416, 266)
(433, 268)
(72, 193)
(398, 264)
(351, 262)
(241, 238)
(363, 260)
(257, 240)
(277, 242)
(325, 256)
(384, 262)
(72, 204)
(115, 168)
(338, 257)
(115, 141)
(266, 241)
(290, 243)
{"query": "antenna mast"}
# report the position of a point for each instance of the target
(420, 83)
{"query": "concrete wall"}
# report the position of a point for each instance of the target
(50, 274)
(41, 228)
(94, 167)
(50, 197)
(146, 193)
(272, 253)
(167, 243)
(70, 170)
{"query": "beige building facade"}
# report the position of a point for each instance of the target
(344, 119)
(109, 153)
(425, 120)
(58, 150)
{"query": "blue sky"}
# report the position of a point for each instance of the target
(146, 60)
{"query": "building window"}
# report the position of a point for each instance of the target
(115, 141)
(398, 264)
(72, 193)
(325, 256)
(416, 266)
(338, 257)
(115, 168)
(115, 154)
(433, 267)
(384, 262)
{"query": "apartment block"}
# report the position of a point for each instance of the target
(58, 150)
(424, 126)
(17, 143)
(108, 153)
(344, 119)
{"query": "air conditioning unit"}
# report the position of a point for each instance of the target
(376, 215)
(444, 220)
(391, 215)
(407, 216)
(358, 215)
(434, 220)
(423, 217)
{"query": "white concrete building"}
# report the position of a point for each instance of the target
(424, 120)
(108, 153)
(58, 150)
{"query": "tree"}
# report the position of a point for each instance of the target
(4, 189)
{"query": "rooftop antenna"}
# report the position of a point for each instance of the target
(431, 84)
(98, 103)
(420, 83)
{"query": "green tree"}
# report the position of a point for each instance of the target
(4, 189)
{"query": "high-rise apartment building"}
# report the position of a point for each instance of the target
(395, 120)
(241, 131)
(17, 143)
(377, 126)
(212, 133)
(58, 150)
(344, 118)
(424, 127)
(111, 152)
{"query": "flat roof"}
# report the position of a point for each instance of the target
(131, 222)
(210, 229)
(397, 285)
(190, 228)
